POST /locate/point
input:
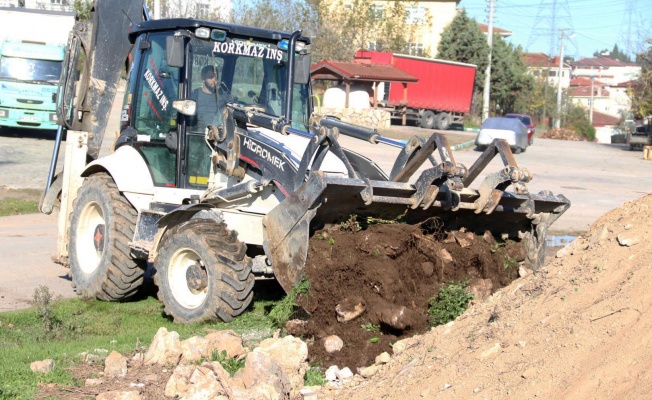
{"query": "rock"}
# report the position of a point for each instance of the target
(462, 241)
(491, 350)
(165, 348)
(563, 252)
(523, 272)
(489, 238)
(368, 372)
(179, 383)
(138, 357)
(42, 367)
(599, 236)
(383, 358)
(628, 242)
(119, 395)
(93, 382)
(308, 393)
(115, 365)
(350, 309)
(344, 373)
(333, 343)
(193, 349)
(227, 341)
(481, 288)
(428, 268)
(205, 385)
(150, 378)
(331, 373)
(445, 256)
(398, 317)
(296, 327)
(290, 353)
(261, 371)
(10, 326)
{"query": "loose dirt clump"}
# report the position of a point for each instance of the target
(387, 273)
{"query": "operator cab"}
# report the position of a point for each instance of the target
(169, 102)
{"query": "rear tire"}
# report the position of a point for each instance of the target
(428, 119)
(101, 226)
(203, 273)
(443, 121)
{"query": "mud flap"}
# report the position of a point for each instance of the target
(287, 231)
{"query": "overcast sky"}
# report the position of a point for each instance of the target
(594, 24)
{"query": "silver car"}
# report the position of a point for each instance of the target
(510, 129)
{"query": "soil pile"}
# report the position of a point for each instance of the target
(386, 274)
(577, 329)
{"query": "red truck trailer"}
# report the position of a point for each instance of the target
(441, 97)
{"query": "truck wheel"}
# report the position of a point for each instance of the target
(428, 119)
(101, 225)
(202, 273)
(443, 121)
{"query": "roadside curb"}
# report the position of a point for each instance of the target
(463, 145)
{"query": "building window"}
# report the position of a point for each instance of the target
(552, 74)
(376, 46)
(202, 11)
(415, 15)
(376, 11)
(415, 49)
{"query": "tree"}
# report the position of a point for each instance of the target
(83, 9)
(463, 40)
(641, 92)
(509, 76)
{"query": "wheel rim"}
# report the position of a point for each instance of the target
(91, 237)
(187, 278)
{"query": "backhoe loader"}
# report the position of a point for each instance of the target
(213, 206)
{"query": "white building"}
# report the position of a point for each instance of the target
(542, 66)
(611, 72)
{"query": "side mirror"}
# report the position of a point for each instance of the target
(185, 107)
(174, 56)
(302, 69)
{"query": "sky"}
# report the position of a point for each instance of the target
(591, 25)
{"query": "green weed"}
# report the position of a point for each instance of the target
(17, 206)
(284, 309)
(314, 377)
(369, 327)
(230, 364)
(449, 303)
(80, 326)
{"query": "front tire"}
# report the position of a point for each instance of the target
(443, 121)
(101, 226)
(203, 273)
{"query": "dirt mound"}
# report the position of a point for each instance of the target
(577, 329)
(387, 273)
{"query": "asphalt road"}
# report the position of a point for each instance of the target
(595, 177)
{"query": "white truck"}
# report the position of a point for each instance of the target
(32, 48)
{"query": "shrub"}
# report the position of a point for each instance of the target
(576, 120)
(284, 309)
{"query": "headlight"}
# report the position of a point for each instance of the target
(3, 113)
(53, 117)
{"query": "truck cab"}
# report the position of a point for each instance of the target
(29, 75)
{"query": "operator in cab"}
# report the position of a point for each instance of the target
(211, 98)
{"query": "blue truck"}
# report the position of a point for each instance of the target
(30, 66)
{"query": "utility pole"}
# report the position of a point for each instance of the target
(591, 107)
(559, 73)
(487, 78)
(157, 9)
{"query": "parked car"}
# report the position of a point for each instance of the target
(510, 129)
(527, 121)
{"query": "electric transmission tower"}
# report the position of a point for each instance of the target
(551, 17)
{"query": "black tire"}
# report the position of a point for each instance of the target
(428, 119)
(203, 273)
(443, 121)
(101, 226)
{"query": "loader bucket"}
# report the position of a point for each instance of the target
(440, 191)
(314, 199)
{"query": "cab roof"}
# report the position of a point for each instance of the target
(191, 24)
